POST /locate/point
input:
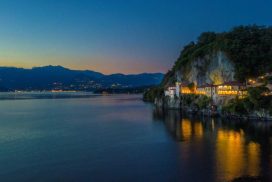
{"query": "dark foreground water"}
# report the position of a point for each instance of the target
(120, 138)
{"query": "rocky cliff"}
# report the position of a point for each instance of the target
(213, 69)
(244, 52)
(167, 102)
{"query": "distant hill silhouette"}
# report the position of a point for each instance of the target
(58, 77)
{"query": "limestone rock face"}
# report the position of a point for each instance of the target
(167, 102)
(172, 103)
(213, 69)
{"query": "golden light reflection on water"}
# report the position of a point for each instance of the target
(229, 149)
(186, 129)
(253, 150)
(234, 157)
(191, 129)
(198, 130)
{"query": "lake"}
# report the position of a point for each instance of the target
(86, 137)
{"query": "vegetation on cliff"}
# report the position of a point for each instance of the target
(152, 93)
(255, 102)
(196, 101)
(248, 47)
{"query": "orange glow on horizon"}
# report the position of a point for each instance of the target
(101, 66)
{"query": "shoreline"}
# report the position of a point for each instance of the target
(176, 104)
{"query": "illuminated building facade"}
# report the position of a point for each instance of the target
(232, 89)
(210, 90)
(207, 89)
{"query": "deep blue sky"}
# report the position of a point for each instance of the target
(128, 36)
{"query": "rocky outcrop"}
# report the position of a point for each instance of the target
(213, 69)
(215, 58)
(168, 102)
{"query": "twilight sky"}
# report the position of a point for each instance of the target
(127, 36)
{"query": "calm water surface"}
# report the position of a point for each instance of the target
(120, 138)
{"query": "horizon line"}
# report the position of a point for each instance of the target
(69, 68)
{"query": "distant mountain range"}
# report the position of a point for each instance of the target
(60, 78)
